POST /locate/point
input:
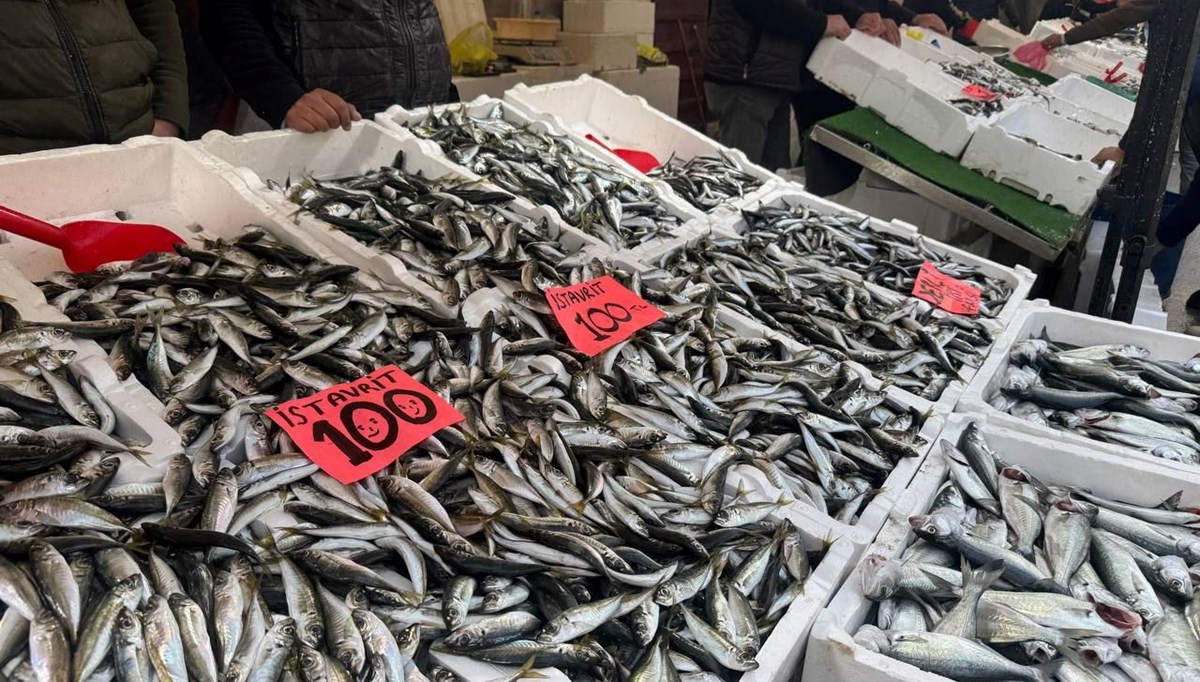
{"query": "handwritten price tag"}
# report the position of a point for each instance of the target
(945, 292)
(600, 314)
(355, 429)
(979, 92)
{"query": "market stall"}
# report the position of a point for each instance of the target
(552, 385)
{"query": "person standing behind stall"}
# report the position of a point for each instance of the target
(315, 65)
(76, 73)
(755, 54)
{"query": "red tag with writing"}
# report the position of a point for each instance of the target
(945, 292)
(355, 429)
(979, 92)
(600, 314)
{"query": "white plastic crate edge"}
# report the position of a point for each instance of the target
(1072, 327)
(397, 118)
(1030, 168)
(420, 156)
(1079, 91)
(527, 98)
(157, 441)
(832, 654)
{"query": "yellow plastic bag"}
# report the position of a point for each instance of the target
(648, 55)
(471, 50)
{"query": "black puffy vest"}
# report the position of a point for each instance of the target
(373, 53)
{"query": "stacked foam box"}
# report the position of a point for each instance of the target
(603, 34)
(1031, 149)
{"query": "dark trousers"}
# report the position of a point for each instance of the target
(825, 172)
(753, 120)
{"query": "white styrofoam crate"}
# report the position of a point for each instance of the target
(137, 423)
(1082, 93)
(274, 156)
(589, 106)
(917, 102)
(1027, 147)
(1038, 318)
(848, 66)
(930, 46)
(992, 33)
(398, 119)
(832, 654)
(1064, 108)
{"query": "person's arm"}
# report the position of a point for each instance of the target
(247, 55)
(796, 18)
(157, 21)
(1113, 21)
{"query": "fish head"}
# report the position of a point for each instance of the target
(1148, 607)
(1098, 651)
(666, 594)
(285, 629)
(1028, 351)
(873, 639)
(880, 578)
(938, 526)
(1019, 380)
(464, 638)
(1173, 575)
(312, 663)
(1068, 420)
(1039, 652)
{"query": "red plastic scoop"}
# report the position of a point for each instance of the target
(643, 161)
(88, 244)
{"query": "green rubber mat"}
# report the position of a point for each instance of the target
(1026, 72)
(1114, 87)
(1053, 225)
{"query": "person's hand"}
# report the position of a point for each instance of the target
(891, 32)
(932, 22)
(1052, 42)
(320, 110)
(164, 128)
(1114, 154)
(836, 27)
(871, 24)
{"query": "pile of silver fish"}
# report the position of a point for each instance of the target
(1116, 393)
(844, 288)
(449, 234)
(578, 518)
(994, 78)
(588, 193)
(1018, 579)
(707, 182)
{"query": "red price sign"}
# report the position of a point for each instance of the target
(600, 314)
(945, 292)
(979, 92)
(357, 428)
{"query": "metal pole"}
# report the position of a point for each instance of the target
(1137, 199)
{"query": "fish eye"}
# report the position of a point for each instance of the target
(1176, 584)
